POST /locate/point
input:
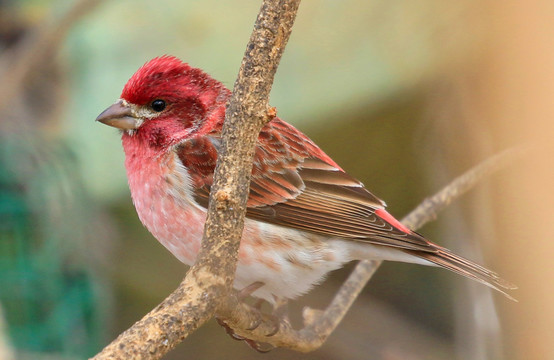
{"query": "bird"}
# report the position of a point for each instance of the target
(305, 215)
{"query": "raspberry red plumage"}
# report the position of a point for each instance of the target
(305, 215)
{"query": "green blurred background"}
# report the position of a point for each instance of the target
(404, 95)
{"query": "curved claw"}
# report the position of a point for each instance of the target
(281, 309)
(279, 314)
(277, 325)
(258, 346)
(237, 337)
(228, 330)
(254, 325)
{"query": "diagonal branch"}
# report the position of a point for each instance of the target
(318, 325)
(247, 112)
(210, 280)
(206, 288)
(431, 206)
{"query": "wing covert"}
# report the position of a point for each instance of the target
(294, 184)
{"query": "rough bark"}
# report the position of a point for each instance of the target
(318, 325)
(210, 280)
(206, 289)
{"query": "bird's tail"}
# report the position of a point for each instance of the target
(448, 260)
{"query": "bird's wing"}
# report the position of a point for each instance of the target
(295, 184)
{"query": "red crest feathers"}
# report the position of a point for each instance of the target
(155, 78)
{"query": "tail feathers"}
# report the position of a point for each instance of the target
(448, 260)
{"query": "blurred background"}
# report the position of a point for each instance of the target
(405, 95)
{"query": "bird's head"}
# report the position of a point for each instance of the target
(166, 101)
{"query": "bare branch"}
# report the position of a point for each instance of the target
(318, 325)
(247, 112)
(431, 206)
(206, 288)
(210, 280)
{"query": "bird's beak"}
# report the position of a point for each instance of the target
(120, 115)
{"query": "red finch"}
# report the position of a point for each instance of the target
(305, 216)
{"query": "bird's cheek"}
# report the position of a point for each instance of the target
(157, 137)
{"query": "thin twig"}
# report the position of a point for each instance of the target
(206, 287)
(428, 209)
(318, 325)
(208, 283)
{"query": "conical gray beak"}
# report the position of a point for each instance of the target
(120, 116)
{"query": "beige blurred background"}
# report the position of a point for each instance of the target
(404, 95)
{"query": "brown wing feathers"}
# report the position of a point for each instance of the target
(448, 260)
(295, 184)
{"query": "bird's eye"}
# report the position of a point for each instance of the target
(158, 105)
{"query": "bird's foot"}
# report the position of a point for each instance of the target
(258, 346)
(249, 290)
(279, 314)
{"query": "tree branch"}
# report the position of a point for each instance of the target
(318, 325)
(210, 280)
(431, 206)
(206, 287)
(247, 112)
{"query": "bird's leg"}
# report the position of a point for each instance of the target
(241, 295)
(259, 347)
(281, 308)
(279, 313)
(248, 290)
(228, 330)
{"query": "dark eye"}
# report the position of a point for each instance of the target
(158, 105)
